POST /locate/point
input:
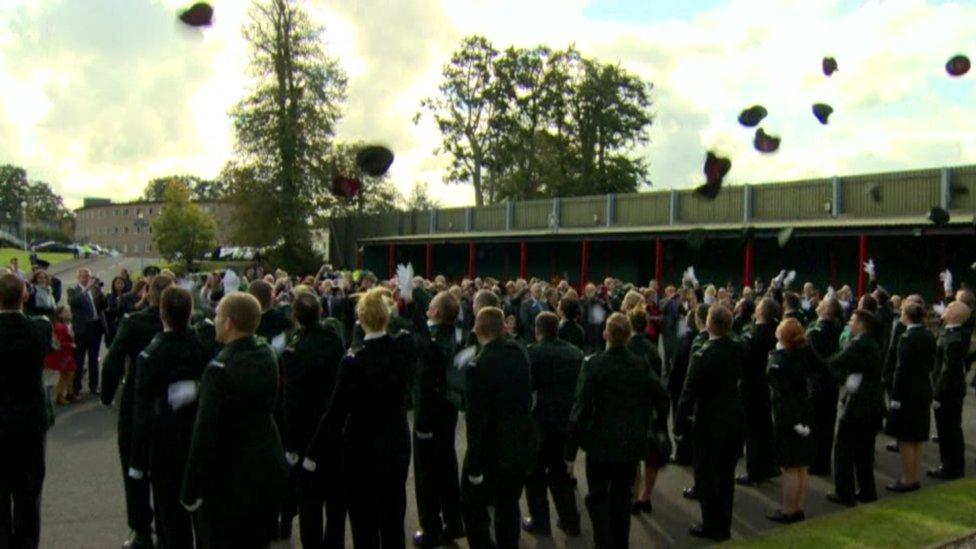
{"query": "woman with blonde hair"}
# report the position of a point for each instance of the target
(791, 366)
(366, 428)
(631, 301)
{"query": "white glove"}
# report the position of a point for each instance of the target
(136, 474)
(936, 404)
(853, 382)
(801, 430)
(946, 278)
(181, 394)
(291, 458)
(193, 506)
(895, 405)
(806, 304)
(830, 292)
(790, 277)
(869, 268)
(308, 465)
(777, 281)
(476, 480)
(939, 309)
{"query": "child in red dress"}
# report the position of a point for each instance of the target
(62, 358)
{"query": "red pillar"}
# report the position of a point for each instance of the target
(523, 259)
(585, 265)
(862, 257)
(391, 261)
(472, 255)
(748, 261)
(659, 264)
(429, 260)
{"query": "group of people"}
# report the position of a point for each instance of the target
(248, 399)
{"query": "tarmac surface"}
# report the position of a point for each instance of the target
(83, 502)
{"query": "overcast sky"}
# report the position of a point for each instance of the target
(99, 96)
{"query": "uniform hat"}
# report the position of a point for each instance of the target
(198, 15)
(374, 160)
(939, 217)
(752, 116)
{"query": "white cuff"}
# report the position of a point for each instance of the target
(308, 465)
(291, 458)
(136, 474)
(476, 480)
(936, 404)
(801, 430)
(895, 405)
(193, 506)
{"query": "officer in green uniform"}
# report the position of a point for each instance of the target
(610, 421)
(711, 411)
(760, 463)
(640, 344)
(206, 334)
(555, 367)
(23, 416)
(688, 344)
(824, 338)
(434, 425)
(468, 348)
(569, 328)
(862, 409)
(236, 471)
(950, 390)
(168, 372)
(135, 333)
(501, 445)
(309, 366)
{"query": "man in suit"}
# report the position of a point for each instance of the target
(23, 416)
(711, 411)
(501, 445)
(86, 302)
(434, 425)
(136, 331)
(950, 391)
(530, 308)
(858, 366)
(759, 342)
(555, 367)
(236, 471)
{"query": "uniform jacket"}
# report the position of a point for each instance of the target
(711, 392)
(23, 344)
(135, 332)
(950, 365)
(436, 346)
(571, 332)
(911, 385)
(862, 397)
(555, 367)
(641, 345)
(310, 366)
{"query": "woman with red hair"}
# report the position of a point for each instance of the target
(791, 365)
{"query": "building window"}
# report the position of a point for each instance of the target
(150, 210)
(138, 230)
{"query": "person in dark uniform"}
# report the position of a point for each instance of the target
(363, 440)
(555, 367)
(658, 443)
(236, 470)
(711, 397)
(688, 344)
(164, 407)
(745, 309)
(434, 425)
(824, 337)
(501, 445)
(206, 333)
(309, 366)
(792, 308)
(791, 366)
(23, 416)
(911, 395)
(135, 333)
(862, 409)
(569, 328)
(760, 341)
(950, 391)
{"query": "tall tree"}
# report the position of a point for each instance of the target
(288, 120)
(45, 208)
(420, 199)
(183, 232)
(200, 189)
(376, 195)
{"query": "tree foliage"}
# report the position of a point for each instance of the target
(377, 194)
(420, 199)
(286, 124)
(201, 190)
(533, 122)
(183, 231)
(45, 208)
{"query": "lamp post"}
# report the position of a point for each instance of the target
(23, 223)
(140, 224)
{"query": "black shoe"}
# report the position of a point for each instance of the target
(746, 480)
(860, 497)
(530, 526)
(426, 541)
(699, 531)
(570, 529)
(689, 493)
(892, 446)
(784, 518)
(941, 474)
(834, 498)
(645, 506)
(898, 487)
(138, 541)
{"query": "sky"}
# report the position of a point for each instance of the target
(99, 96)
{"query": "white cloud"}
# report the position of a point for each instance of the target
(99, 108)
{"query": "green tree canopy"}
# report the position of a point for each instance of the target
(200, 189)
(45, 208)
(183, 231)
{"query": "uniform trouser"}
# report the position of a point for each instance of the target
(824, 425)
(550, 474)
(377, 498)
(854, 457)
(312, 496)
(610, 488)
(948, 424)
(435, 470)
(759, 437)
(174, 525)
(137, 508)
(243, 532)
(21, 481)
(88, 344)
(501, 490)
(715, 481)
(684, 448)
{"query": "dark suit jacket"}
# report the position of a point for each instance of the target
(555, 369)
(711, 393)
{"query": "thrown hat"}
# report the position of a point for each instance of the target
(874, 191)
(822, 111)
(784, 236)
(764, 142)
(958, 65)
(715, 170)
(752, 116)
(939, 217)
(198, 15)
(829, 66)
(374, 160)
(346, 187)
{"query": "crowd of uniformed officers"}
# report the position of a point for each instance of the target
(240, 410)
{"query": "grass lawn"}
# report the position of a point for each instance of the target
(932, 515)
(23, 257)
